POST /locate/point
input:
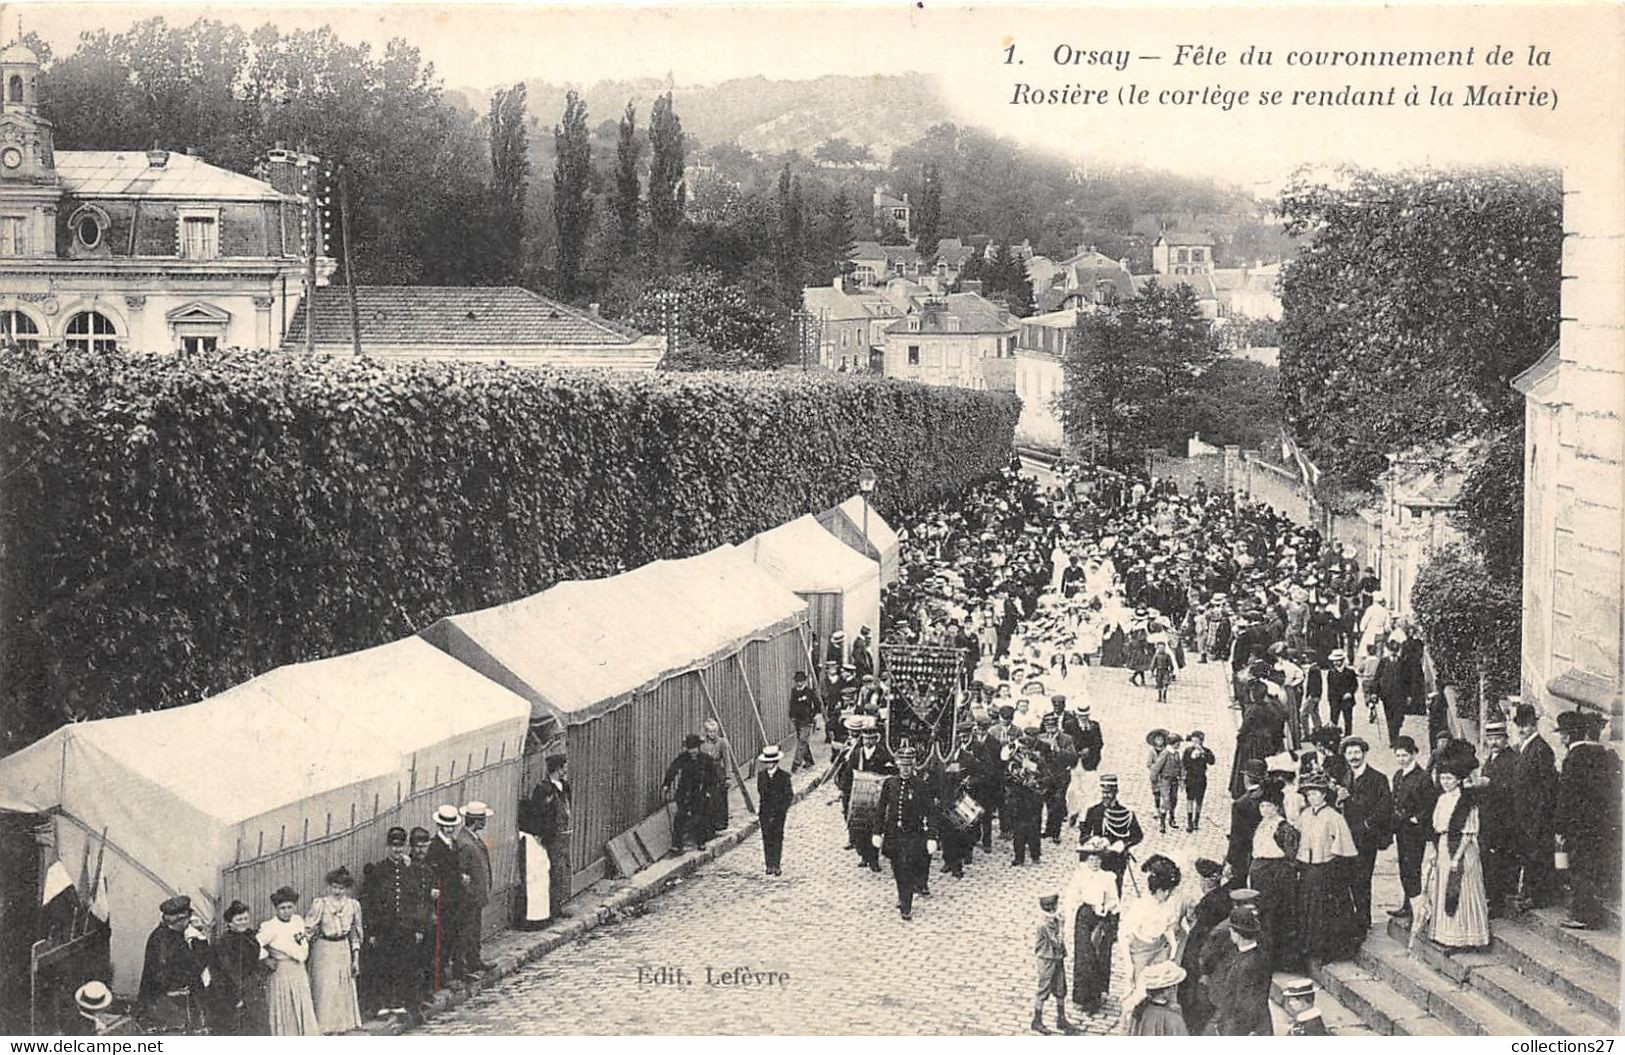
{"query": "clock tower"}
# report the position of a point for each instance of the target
(27, 152)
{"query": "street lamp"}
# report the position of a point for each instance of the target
(866, 487)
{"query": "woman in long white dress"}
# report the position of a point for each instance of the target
(335, 957)
(284, 949)
(1456, 904)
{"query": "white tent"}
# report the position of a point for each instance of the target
(627, 665)
(846, 522)
(841, 586)
(271, 782)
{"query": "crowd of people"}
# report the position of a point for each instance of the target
(1105, 574)
(1031, 590)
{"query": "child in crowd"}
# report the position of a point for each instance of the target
(1166, 772)
(1194, 760)
(1162, 670)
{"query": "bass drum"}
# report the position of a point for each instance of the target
(863, 808)
(967, 812)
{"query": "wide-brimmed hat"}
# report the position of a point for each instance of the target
(1156, 734)
(93, 996)
(1164, 974)
(1095, 844)
(1314, 780)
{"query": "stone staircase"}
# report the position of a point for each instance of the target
(1535, 979)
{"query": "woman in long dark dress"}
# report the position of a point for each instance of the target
(1260, 733)
(1274, 875)
(1091, 897)
(238, 985)
(1326, 920)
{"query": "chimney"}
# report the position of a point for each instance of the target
(593, 309)
(157, 158)
(838, 282)
(280, 170)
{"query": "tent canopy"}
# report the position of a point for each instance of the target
(846, 522)
(582, 648)
(290, 756)
(808, 559)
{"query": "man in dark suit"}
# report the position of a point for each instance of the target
(1587, 817)
(447, 892)
(549, 820)
(906, 836)
(690, 778)
(1414, 795)
(1535, 795)
(1369, 811)
(804, 717)
(1341, 684)
(474, 858)
(1241, 995)
(774, 794)
(985, 782)
(1244, 819)
(1498, 818)
(1089, 739)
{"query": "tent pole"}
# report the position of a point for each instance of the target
(750, 694)
(733, 763)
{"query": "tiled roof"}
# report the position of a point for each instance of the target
(1185, 238)
(484, 316)
(105, 173)
(833, 304)
(975, 314)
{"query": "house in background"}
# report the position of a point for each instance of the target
(1041, 349)
(141, 250)
(852, 323)
(1420, 496)
(1182, 253)
(874, 264)
(479, 324)
(893, 210)
(961, 339)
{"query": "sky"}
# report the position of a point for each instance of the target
(1258, 146)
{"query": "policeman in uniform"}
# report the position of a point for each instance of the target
(172, 972)
(906, 835)
(396, 907)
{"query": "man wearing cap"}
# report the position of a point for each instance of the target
(172, 971)
(1535, 797)
(395, 905)
(474, 860)
(1414, 796)
(774, 794)
(906, 836)
(1587, 817)
(1497, 818)
(1049, 948)
(1116, 823)
(688, 784)
(1241, 993)
(418, 843)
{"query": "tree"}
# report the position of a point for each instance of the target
(1418, 297)
(510, 175)
(667, 195)
(996, 274)
(1233, 401)
(835, 237)
(711, 324)
(928, 213)
(1018, 290)
(887, 232)
(628, 148)
(1131, 369)
(572, 200)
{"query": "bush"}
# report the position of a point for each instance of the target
(1472, 620)
(173, 525)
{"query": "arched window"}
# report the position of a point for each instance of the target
(14, 89)
(91, 331)
(17, 328)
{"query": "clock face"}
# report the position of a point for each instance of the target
(11, 157)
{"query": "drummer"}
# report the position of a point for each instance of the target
(865, 766)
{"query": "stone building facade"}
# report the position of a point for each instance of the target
(1574, 461)
(140, 250)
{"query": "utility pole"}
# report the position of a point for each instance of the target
(349, 273)
(312, 231)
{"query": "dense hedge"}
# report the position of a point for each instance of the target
(1472, 621)
(172, 525)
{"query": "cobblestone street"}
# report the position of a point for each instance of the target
(963, 965)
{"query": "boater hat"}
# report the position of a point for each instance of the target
(93, 996)
(448, 816)
(770, 755)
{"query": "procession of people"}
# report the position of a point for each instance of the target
(967, 732)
